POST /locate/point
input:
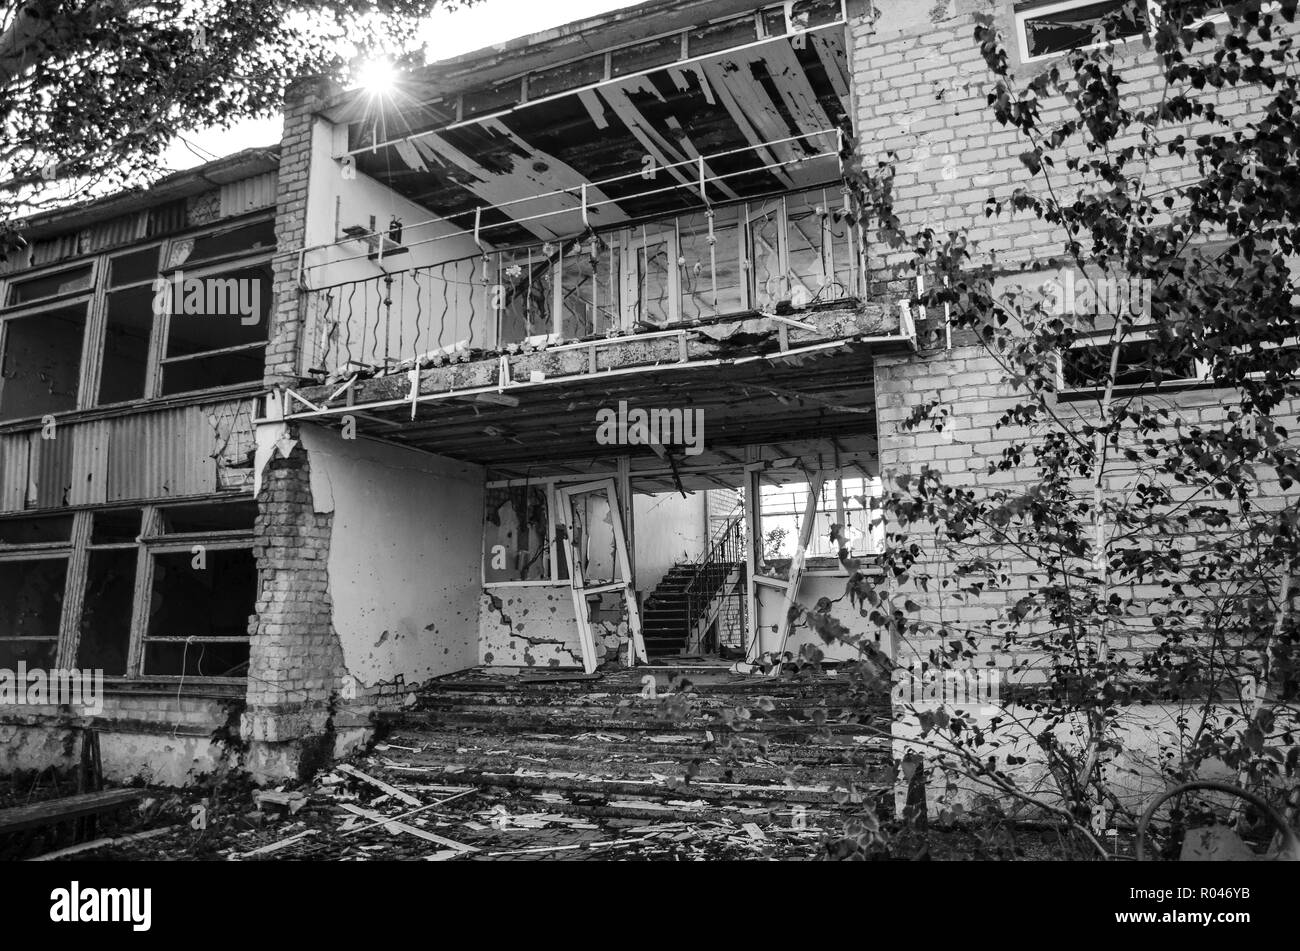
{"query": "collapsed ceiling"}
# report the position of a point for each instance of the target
(773, 105)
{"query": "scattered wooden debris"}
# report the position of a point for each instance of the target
(102, 844)
(378, 784)
(275, 846)
(394, 827)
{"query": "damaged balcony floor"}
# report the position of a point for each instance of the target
(489, 766)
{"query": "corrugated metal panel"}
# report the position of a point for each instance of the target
(166, 218)
(13, 471)
(161, 455)
(189, 450)
(89, 455)
(248, 194)
(52, 467)
(114, 233)
(56, 249)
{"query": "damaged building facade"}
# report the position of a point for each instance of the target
(127, 435)
(569, 363)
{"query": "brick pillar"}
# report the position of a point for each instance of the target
(283, 353)
(296, 670)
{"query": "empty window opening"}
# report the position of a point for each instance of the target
(38, 530)
(517, 541)
(31, 604)
(129, 324)
(199, 611)
(217, 329)
(106, 611)
(208, 518)
(41, 368)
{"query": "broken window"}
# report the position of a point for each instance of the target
(208, 518)
(216, 329)
(765, 250)
(128, 319)
(783, 508)
(715, 37)
(654, 289)
(517, 535)
(133, 267)
(525, 294)
(200, 603)
(584, 72)
(40, 371)
(591, 525)
(1061, 27)
(59, 284)
(645, 56)
(808, 274)
(589, 289)
(216, 245)
(808, 14)
(1140, 363)
(489, 99)
(31, 606)
(710, 264)
(120, 526)
(106, 611)
(35, 530)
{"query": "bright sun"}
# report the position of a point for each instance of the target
(377, 76)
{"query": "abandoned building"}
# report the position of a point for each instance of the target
(560, 359)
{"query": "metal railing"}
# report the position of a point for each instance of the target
(790, 250)
(712, 574)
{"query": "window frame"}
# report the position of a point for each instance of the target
(1022, 39)
(150, 541)
(95, 298)
(549, 486)
(629, 240)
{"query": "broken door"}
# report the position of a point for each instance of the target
(591, 524)
(772, 597)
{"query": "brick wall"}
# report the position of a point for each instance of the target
(296, 675)
(283, 352)
(920, 93)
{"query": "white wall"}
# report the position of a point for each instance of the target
(668, 529)
(404, 556)
(336, 202)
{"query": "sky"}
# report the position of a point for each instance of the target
(447, 33)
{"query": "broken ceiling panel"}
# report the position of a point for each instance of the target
(634, 128)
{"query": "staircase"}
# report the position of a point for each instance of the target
(687, 600)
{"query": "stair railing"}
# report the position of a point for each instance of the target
(726, 550)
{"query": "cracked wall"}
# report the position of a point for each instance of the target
(367, 587)
(537, 627)
(404, 573)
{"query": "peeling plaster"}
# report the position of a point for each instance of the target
(403, 583)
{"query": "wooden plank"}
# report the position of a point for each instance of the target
(378, 784)
(394, 826)
(62, 810)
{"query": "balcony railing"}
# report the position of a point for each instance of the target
(790, 251)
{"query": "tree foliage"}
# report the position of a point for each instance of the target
(95, 90)
(1138, 535)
